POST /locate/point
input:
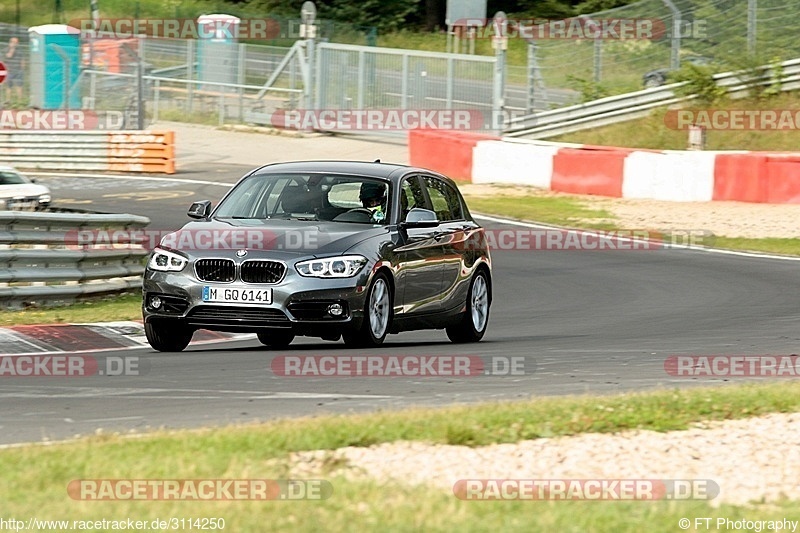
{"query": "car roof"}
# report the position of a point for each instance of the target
(361, 168)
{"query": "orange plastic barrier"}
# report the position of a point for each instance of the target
(447, 152)
(142, 151)
(582, 171)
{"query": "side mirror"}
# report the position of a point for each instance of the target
(420, 218)
(200, 210)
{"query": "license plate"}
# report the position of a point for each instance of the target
(237, 295)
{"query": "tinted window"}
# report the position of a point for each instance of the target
(444, 199)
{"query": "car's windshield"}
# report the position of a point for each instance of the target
(304, 196)
(11, 178)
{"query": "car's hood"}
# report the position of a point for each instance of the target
(270, 238)
(22, 189)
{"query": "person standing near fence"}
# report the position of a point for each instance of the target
(14, 65)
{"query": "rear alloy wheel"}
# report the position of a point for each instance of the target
(473, 323)
(167, 337)
(278, 338)
(377, 316)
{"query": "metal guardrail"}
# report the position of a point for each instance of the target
(634, 105)
(43, 262)
(115, 151)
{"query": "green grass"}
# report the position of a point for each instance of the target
(35, 477)
(652, 132)
(122, 307)
(769, 245)
(557, 210)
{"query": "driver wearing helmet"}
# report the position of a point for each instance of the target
(373, 197)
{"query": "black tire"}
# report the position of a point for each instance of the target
(167, 337)
(276, 338)
(472, 327)
(372, 333)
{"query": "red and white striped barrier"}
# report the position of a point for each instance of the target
(674, 175)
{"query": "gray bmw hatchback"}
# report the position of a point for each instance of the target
(329, 249)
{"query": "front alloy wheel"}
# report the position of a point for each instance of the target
(377, 316)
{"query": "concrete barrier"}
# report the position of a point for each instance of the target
(117, 151)
(672, 175)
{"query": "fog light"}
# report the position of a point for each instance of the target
(155, 302)
(335, 310)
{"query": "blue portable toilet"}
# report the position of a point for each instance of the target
(55, 52)
(218, 49)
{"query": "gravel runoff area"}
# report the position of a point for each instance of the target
(752, 460)
(725, 219)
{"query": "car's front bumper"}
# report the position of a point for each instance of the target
(300, 303)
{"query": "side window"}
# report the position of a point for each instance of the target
(445, 200)
(410, 196)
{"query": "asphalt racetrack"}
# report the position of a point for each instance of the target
(584, 321)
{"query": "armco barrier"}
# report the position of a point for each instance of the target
(42, 263)
(672, 175)
(448, 152)
(106, 151)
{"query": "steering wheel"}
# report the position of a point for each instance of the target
(357, 214)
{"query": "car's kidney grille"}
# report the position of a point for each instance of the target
(262, 271)
(223, 270)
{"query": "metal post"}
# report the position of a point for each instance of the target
(241, 78)
(531, 81)
(360, 89)
(451, 75)
(93, 89)
(675, 51)
(221, 107)
(500, 44)
(404, 84)
(752, 26)
(140, 94)
(189, 74)
(313, 75)
(598, 60)
(157, 89)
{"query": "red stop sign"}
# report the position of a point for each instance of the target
(3, 72)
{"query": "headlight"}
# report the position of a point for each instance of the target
(44, 198)
(164, 261)
(345, 266)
